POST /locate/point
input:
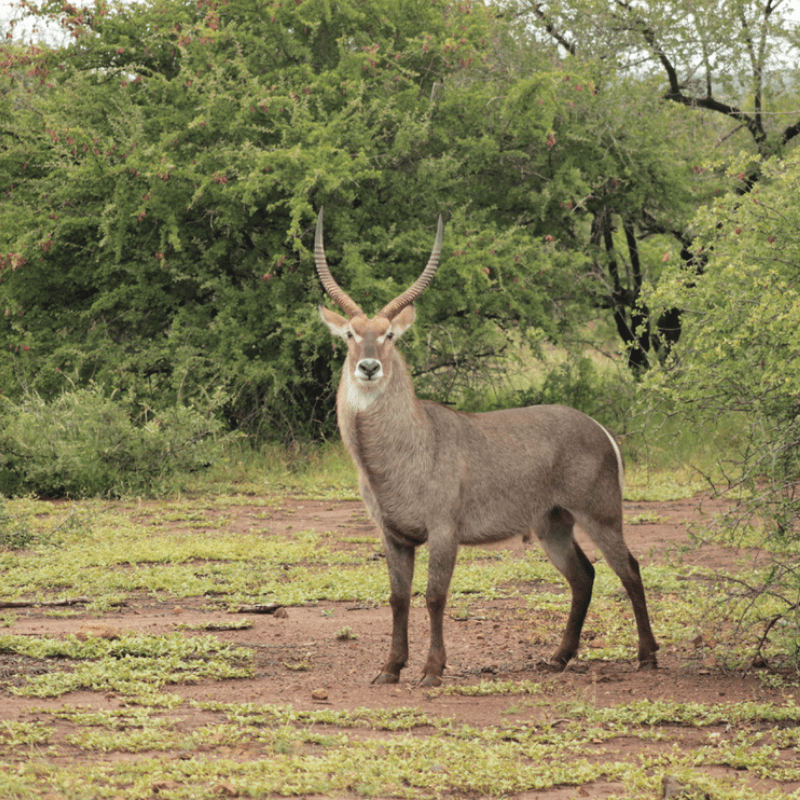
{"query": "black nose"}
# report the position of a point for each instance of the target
(369, 366)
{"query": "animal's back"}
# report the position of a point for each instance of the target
(501, 471)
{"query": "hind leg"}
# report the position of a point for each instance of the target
(609, 538)
(632, 581)
(557, 539)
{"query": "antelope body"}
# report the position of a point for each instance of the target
(429, 474)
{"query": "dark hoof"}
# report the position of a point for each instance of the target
(385, 677)
(551, 665)
(430, 680)
(651, 663)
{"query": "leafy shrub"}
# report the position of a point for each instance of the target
(737, 366)
(607, 396)
(85, 443)
(192, 191)
(575, 383)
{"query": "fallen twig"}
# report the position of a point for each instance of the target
(256, 608)
(68, 601)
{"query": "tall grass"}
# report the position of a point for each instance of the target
(316, 469)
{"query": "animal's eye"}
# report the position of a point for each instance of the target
(389, 336)
(349, 334)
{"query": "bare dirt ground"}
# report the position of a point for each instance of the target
(493, 643)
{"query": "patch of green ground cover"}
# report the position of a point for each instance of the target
(644, 483)
(278, 728)
(315, 754)
(258, 714)
(367, 583)
(16, 734)
(386, 769)
(192, 516)
(133, 664)
(672, 712)
(128, 730)
(275, 750)
(779, 720)
(499, 573)
(105, 555)
(232, 625)
(112, 554)
(647, 518)
(112, 719)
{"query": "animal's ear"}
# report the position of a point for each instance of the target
(403, 321)
(337, 324)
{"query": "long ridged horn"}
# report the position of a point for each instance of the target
(391, 310)
(336, 293)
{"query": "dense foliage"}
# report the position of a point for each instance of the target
(733, 65)
(162, 174)
(162, 169)
(737, 369)
(83, 443)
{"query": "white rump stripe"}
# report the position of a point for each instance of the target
(618, 454)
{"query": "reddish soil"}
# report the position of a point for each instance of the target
(491, 643)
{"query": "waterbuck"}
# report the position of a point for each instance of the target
(430, 474)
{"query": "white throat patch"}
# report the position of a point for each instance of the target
(360, 396)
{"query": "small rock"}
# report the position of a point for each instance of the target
(671, 787)
(319, 694)
(97, 630)
(281, 613)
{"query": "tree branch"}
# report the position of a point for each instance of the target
(550, 27)
(675, 92)
(790, 132)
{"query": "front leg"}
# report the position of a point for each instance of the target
(442, 562)
(400, 560)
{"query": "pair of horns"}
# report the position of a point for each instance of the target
(392, 309)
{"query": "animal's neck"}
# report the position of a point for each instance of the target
(380, 432)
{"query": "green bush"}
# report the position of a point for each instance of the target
(162, 242)
(736, 370)
(605, 395)
(85, 443)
